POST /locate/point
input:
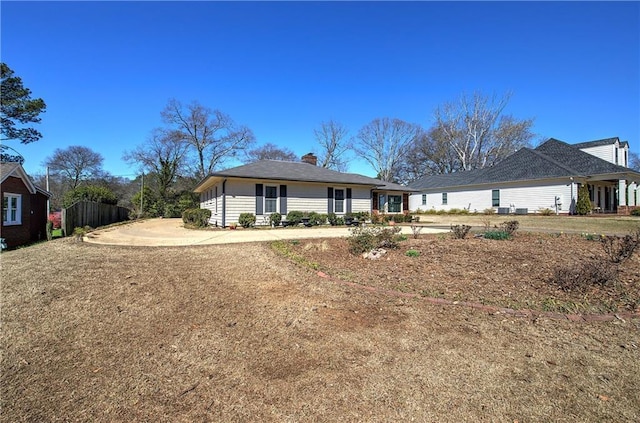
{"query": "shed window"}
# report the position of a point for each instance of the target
(495, 198)
(12, 209)
(444, 198)
(424, 199)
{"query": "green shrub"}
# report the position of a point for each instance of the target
(398, 218)
(96, 193)
(49, 230)
(332, 218)
(412, 253)
(499, 235)
(431, 211)
(583, 206)
(635, 212)
(317, 219)
(362, 216)
(460, 231)
(196, 217)
(363, 239)
(454, 211)
(400, 238)
(171, 210)
(441, 211)
(294, 217)
(340, 221)
(275, 219)
(247, 220)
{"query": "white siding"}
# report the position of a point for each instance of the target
(208, 200)
(529, 196)
(605, 152)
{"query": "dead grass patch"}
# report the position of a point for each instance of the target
(240, 333)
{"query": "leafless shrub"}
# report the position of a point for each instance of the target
(460, 231)
(584, 275)
(510, 227)
(416, 231)
(620, 248)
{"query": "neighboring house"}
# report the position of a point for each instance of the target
(269, 186)
(548, 176)
(24, 207)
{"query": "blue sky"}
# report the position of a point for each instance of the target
(107, 69)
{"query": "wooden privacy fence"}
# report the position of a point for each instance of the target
(89, 213)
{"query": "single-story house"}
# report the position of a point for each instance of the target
(24, 207)
(270, 186)
(546, 177)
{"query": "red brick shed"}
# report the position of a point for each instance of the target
(24, 207)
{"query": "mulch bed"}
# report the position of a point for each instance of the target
(514, 273)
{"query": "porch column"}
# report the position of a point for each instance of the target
(622, 190)
(632, 194)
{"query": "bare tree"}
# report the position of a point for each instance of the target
(634, 161)
(75, 164)
(270, 151)
(427, 156)
(332, 139)
(476, 131)
(213, 135)
(163, 155)
(384, 144)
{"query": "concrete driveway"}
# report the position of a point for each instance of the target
(171, 232)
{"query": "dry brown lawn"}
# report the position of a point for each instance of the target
(241, 333)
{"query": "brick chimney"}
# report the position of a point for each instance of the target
(310, 158)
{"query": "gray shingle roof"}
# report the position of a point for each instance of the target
(552, 159)
(597, 143)
(301, 172)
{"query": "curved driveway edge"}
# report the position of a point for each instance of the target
(171, 232)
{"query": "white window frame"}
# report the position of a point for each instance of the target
(6, 213)
(343, 201)
(274, 199)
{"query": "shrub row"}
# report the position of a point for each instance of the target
(363, 239)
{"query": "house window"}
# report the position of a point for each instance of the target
(444, 198)
(495, 198)
(270, 200)
(395, 203)
(617, 155)
(424, 199)
(338, 198)
(12, 209)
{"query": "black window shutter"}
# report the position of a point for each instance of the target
(259, 201)
(283, 200)
(330, 200)
(348, 200)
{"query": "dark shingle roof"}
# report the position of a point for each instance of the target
(301, 172)
(597, 143)
(552, 159)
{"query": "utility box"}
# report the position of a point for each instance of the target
(522, 211)
(503, 210)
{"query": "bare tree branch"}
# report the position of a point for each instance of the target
(332, 139)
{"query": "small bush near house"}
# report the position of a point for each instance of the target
(510, 227)
(294, 217)
(332, 218)
(620, 248)
(196, 217)
(497, 235)
(317, 219)
(376, 217)
(362, 216)
(545, 212)
(275, 219)
(460, 231)
(363, 239)
(454, 211)
(582, 276)
(635, 212)
(247, 220)
(489, 211)
(398, 218)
